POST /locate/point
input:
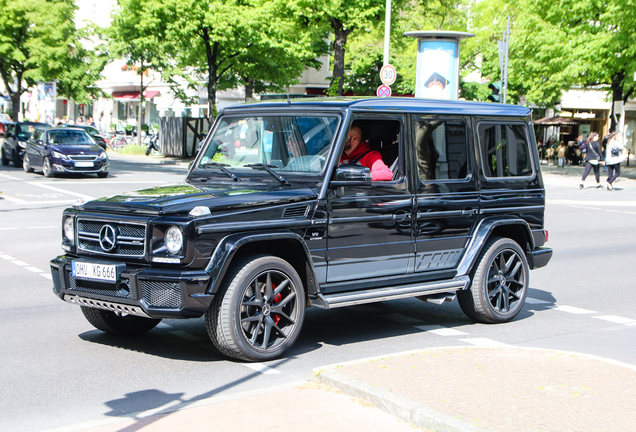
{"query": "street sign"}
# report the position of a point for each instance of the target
(388, 74)
(383, 91)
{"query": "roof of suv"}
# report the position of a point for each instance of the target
(403, 104)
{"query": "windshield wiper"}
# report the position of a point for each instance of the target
(222, 166)
(269, 169)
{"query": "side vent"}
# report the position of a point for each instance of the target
(295, 212)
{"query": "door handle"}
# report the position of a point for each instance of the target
(470, 212)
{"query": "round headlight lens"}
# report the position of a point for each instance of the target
(174, 239)
(69, 231)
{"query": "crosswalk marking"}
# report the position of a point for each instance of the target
(34, 269)
(46, 276)
(615, 319)
(484, 342)
(571, 309)
(53, 188)
(441, 331)
(20, 263)
(259, 367)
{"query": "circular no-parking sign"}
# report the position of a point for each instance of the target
(383, 91)
(388, 74)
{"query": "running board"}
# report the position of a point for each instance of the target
(331, 301)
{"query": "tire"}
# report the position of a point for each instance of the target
(258, 312)
(3, 159)
(112, 323)
(46, 168)
(102, 174)
(26, 165)
(489, 300)
(17, 162)
(147, 152)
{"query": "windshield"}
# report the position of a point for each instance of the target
(70, 137)
(285, 143)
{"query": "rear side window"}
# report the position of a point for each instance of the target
(505, 150)
(441, 148)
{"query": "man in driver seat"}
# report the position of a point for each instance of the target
(359, 153)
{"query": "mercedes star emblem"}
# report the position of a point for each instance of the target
(108, 238)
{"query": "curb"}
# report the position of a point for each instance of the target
(398, 406)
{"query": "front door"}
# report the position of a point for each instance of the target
(369, 231)
(447, 201)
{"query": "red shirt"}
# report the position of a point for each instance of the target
(373, 160)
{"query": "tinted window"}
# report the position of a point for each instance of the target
(505, 150)
(441, 148)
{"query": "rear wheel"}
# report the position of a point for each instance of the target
(112, 323)
(46, 168)
(258, 314)
(499, 283)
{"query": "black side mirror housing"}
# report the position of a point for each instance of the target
(39, 142)
(352, 175)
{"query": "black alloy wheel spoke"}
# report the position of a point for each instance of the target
(268, 288)
(281, 287)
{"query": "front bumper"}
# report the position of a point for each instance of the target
(539, 257)
(142, 291)
(61, 166)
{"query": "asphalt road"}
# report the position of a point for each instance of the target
(58, 372)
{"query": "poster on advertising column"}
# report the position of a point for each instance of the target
(47, 93)
(437, 69)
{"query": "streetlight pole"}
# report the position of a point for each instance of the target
(387, 32)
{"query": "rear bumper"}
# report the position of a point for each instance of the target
(154, 293)
(539, 257)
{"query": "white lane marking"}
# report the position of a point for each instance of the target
(613, 211)
(630, 213)
(399, 318)
(259, 367)
(570, 309)
(615, 319)
(186, 336)
(584, 204)
(34, 269)
(42, 227)
(484, 342)
(59, 202)
(45, 186)
(47, 276)
(535, 301)
(20, 263)
(441, 331)
(592, 208)
(106, 182)
(9, 177)
(7, 257)
(8, 228)
(13, 200)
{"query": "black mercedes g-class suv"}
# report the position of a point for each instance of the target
(267, 223)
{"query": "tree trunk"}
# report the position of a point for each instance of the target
(141, 102)
(618, 80)
(249, 90)
(339, 43)
(211, 56)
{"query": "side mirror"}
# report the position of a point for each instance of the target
(39, 142)
(352, 175)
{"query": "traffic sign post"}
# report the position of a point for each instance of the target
(388, 74)
(383, 91)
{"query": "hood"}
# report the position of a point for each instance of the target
(89, 149)
(179, 199)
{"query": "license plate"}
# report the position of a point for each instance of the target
(84, 164)
(95, 271)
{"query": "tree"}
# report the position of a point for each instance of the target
(39, 42)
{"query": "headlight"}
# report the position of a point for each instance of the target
(174, 239)
(69, 229)
(60, 155)
(22, 144)
(102, 155)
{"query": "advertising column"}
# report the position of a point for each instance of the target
(437, 72)
(47, 92)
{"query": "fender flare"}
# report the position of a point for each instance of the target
(229, 245)
(482, 232)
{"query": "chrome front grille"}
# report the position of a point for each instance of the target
(129, 238)
(83, 158)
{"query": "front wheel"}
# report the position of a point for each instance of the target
(26, 165)
(499, 283)
(112, 323)
(46, 168)
(258, 313)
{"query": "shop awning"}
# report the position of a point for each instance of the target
(556, 121)
(130, 96)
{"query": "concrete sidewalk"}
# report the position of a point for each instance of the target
(502, 388)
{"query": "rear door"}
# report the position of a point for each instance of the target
(447, 199)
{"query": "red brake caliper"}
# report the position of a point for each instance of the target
(278, 298)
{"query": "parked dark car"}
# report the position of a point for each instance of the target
(64, 150)
(15, 140)
(94, 133)
(267, 223)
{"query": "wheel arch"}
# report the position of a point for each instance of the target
(512, 228)
(285, 245)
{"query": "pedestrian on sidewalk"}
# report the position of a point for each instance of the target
(561, 155)
(613, 158)
(593, 158)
